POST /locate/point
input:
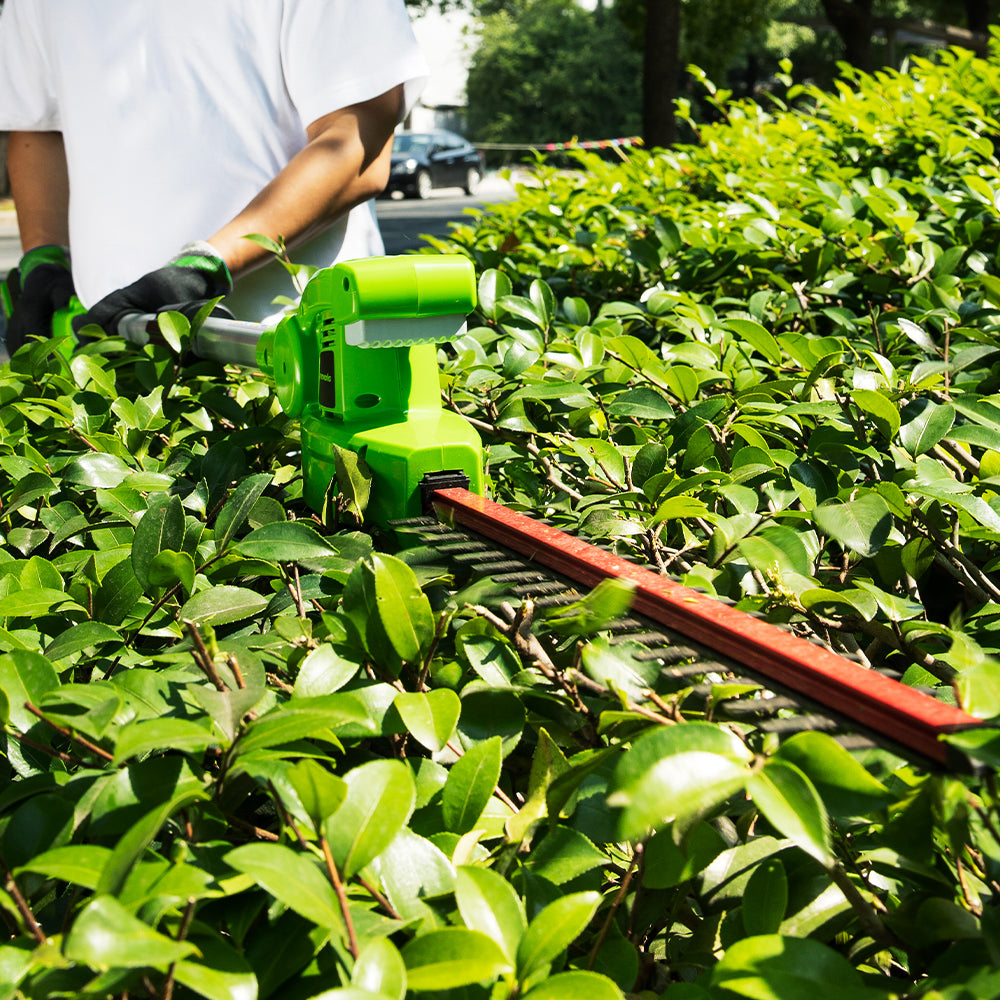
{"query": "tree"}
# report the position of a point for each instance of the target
(852, 20)
(660, 71)
(552, 72)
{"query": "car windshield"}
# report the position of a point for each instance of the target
(411, 142)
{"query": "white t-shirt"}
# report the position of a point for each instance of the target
(176, 113)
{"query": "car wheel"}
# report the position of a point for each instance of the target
(473, 178)
(424, 184)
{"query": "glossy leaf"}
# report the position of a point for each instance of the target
(223, 605)
(430, 717)
(555, 928)
(380, 798)
(765, 898)
(380, 969)
(105, 936)
(291, 878)
(575, 986)
(787, 968)
(470, 785)
(451, 957)
(284, 541)
(860, 525)
(675, 773)
(792, 805)
(488, 903)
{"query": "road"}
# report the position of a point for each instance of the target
(403, 222)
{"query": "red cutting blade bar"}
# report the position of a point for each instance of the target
(908, 717)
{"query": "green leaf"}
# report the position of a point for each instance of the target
(380, 969)
(575, 986)
(676, 773)
(563, 855)
(292, 879)
(880, 408)
(488, 903)
(553, 930)
(924, 424)
(470, 785)
(861, 525)
(784, 968)
(133, 843)
(380, 798)
(284, 541)
(170, 568)
(106, 936)
(219, 973)
(78, 864)
(98, 470)
(237, 508)
(430, 717)
(143, 736)
(757, 337)
(320, 792)
(37, 602)
(791, 804)
(666, 864)
(606, 603)
(845, 787)
(765, 898)
(493, 286)
(222, 605)
(354, 480)
(324, 671)
(77, 638)
(451, 957)
(301, 718)
(25, 676)
(403, 608)
(176, 329)
(161, 529)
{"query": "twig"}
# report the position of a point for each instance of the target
(974, 905)
(870, 921)
(338, 887)
(48, 751)
(203, 658)
(379, 898)
(182, 933)
(250, 828)
(234, 666)
(69, 734)
(22, 904)
(616, 903)
(280, 684)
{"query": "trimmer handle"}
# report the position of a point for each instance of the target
(229, 341)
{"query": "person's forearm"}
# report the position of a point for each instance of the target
(345, 162)
(36, 163)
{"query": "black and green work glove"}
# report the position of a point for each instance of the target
(38, 288)
(185, 283)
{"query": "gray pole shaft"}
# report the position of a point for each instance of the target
(229, 341)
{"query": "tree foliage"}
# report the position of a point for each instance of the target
(551, 72)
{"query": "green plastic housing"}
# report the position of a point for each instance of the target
(358, 366)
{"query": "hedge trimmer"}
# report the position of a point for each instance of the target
(356, 364)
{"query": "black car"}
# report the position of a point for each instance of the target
(422, 161)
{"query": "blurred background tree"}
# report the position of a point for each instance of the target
(551, 71)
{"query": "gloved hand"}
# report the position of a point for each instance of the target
(43, 285)
(194, 276)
